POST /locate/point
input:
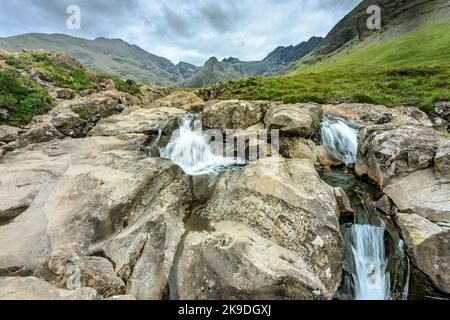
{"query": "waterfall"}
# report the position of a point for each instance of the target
(190, 149)
(340, 136)
(371, 281)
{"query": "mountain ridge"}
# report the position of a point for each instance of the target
(125, 60)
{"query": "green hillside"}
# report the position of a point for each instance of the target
(427, 46)
(413, 69)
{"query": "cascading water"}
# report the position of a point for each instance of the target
(340, 136)
(190, 149)
(371, 281)
(366, 266)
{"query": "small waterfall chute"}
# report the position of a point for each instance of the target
(341, 136)
(190, 149)
(370, 278)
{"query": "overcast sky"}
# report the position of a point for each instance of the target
(183, 30)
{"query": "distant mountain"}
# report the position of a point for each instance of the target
(233, 68)
(186, 69)
(120, 58)
(109, 55)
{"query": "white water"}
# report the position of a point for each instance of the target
(341, 136)
(371, 281)
(190, 149)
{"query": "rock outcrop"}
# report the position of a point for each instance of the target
(234, 114)
(114, 203)
(298, 119)
(31, 288)
(278, 225)
(429, 248)
(388, 153)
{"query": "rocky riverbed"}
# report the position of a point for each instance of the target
(89, 209)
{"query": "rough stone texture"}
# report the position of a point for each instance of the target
(286, 203)
(296, 119)
(442, 163)
(139, 120)
(67, 268)
(32, 288)
(299, 148)
(423, 194)
(8, 134)
(343, 201)
(237, 263)
(428, 246)
(384, 205)
(387, 153)
(54, 190)
(151, 93)
(186, 101)
(65, 94)
(442, 109)
(377, 114)
(328, 158)
(234, 114)
(39, 133)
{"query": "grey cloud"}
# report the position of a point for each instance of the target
(175, 23)
(219, 18)
(190, 30)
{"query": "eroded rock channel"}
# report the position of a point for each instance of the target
(131, 210)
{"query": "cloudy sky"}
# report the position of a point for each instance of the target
(183, 30)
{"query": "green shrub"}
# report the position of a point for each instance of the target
(81, 112)
(22, 98)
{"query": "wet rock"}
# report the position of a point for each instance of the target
(8, 134)
(295, 119)
(32, 288)
(384, 205)
(343, 201)
(67, 268)
(428, 246)
(234, 114)
(328, 158)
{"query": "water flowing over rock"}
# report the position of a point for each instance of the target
(371, 278)
(340, 136)
(190, 148)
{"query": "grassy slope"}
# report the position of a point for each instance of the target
(24, 98)
(413, 69)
